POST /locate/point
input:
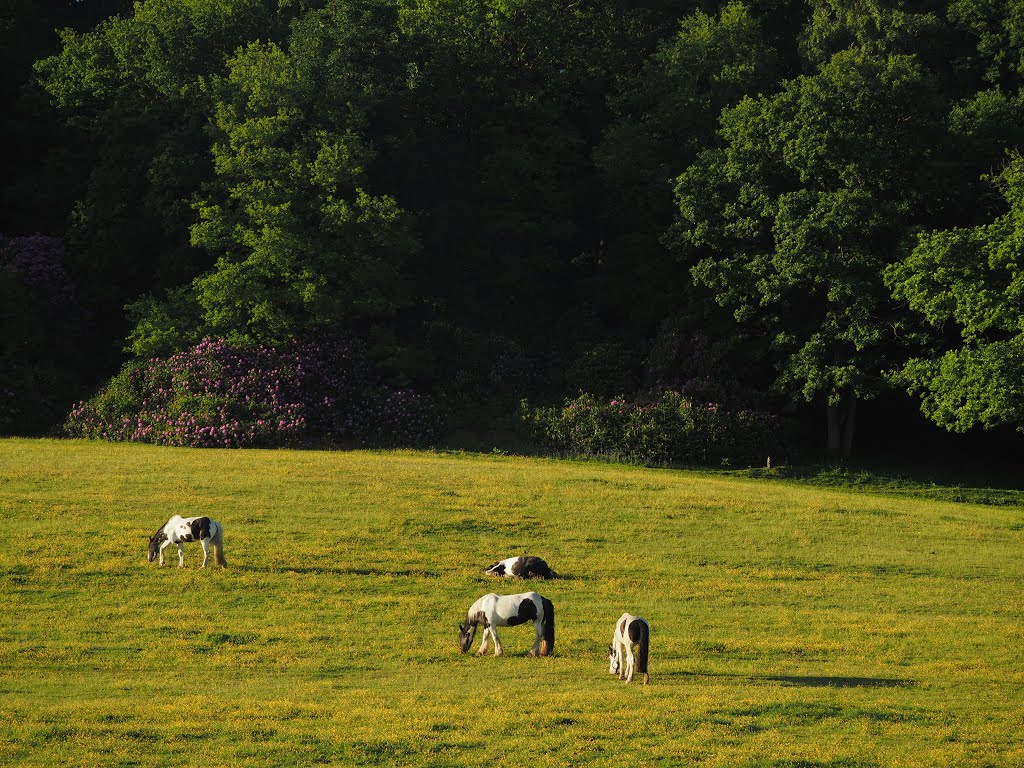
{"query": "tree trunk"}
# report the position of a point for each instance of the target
(849, 422)
(834, 428)
(840, 423)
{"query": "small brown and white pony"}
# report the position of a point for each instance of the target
(179, 530)
(509, 611)
(630, 630)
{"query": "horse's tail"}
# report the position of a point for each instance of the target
(644, 644)
(217, 540)
(547, 646)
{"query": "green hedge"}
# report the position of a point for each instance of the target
(669, 430)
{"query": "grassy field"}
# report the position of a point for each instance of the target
(793, 626)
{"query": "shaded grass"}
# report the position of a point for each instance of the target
(957, 485)
(792, 625)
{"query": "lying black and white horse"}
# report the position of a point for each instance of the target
(523, 566)
(630, 630)
(179, 529)
(492, 611)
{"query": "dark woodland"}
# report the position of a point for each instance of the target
(789, 228)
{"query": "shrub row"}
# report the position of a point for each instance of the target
(669, 430)
(218, 394)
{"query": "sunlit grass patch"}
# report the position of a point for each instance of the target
(791, 625)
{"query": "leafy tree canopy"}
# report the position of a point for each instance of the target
(792, 221)
(970, 283)
(515, 198)
(301, 241)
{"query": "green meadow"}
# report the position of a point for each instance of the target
(793, 626)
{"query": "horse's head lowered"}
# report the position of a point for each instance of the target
(613, 661)
(467, 632)
(154, 544)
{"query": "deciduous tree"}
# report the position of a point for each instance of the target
(968, 284)
(302, 240)
(792, 222)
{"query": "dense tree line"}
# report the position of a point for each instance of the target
(799, 205)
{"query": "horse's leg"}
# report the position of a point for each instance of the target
(622, 659)
(206, 550)
(181, 555)
(483, 644)
(163, 545)
(630, 662)
(538, 634)
(497, 642)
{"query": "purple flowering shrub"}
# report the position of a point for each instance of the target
(216, 394)
(671, 430)
(38, 261)
(401, 418)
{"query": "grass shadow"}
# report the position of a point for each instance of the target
(838, 682)
(993, 487)
(803, 681)
(486, 577)
(331, 571)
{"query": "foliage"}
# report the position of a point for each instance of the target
(480, 191)
(724, 368)
(662, 117)
(997, 29)
(474, 369)
(971, 281)
(671, 430)
(602, 369)
(797, 215)
(895, 26)
(666, 114)
(301, 240)
(217, 394)
(128, 94)
(510, 100)
(792, 221)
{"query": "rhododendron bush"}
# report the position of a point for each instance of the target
(668, 430)
(217, 394)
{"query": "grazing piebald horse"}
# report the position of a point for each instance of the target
(524, 567)
(179, 529)
(630, 630)
(509, 611)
